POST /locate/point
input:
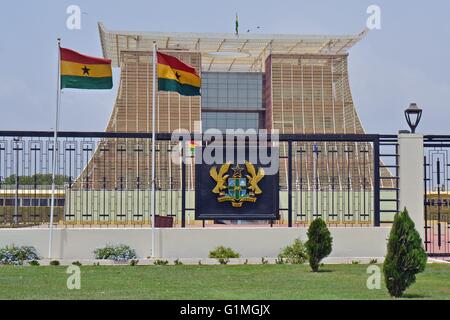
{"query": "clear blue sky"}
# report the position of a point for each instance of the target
(407, 60)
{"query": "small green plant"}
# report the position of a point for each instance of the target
(119, 252)
(34, 263)
(279, 260)
(177, 262)
(319, 244)
(134, 262)
(199, 262)
(223, 255)
(355, 262)
(14, 255)
(77, 263)
(405, 255)
(373, 261)
(264, 261)
(246, 261)
(295, 253)
(96, 264)
(161, 262)
(54, 263)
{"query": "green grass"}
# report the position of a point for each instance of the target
(212, 282)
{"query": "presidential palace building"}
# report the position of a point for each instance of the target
(297, 84)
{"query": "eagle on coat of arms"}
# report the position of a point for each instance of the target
(238, 188)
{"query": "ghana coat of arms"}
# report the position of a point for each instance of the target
(237, 188)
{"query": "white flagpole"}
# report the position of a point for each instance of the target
(54, 154)
(153, 198)
(315, 154)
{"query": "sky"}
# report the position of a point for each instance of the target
(407, 60)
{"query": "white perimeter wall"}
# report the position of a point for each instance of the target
(195, 242)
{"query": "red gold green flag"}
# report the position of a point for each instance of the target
(175, 75)
(79, 71)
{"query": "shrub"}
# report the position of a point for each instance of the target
(134, 262)
(161, 262)
(119, 252)
(405, 255)
(177, 262)
(17, 255)
(223, 255)
(373, 261)
(77, 263)
(34, 263)
(295, 253)
(319, 243)
(54, 263)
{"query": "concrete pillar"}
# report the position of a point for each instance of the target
(411, 175)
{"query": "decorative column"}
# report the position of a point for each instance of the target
(411, 175)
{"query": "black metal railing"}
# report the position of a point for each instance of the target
(437, 195)
(389, 168)
(333, 177)
(103, 178)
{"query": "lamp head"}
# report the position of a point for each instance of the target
(413, 114)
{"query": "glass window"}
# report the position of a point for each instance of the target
(10, 202)
(232, 90)
(230, 120)
(43, 202)
(26, 202)
(58, 202)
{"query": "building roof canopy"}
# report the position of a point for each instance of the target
(225, 51)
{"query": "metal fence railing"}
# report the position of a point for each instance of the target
(103, 179)
(437, 195)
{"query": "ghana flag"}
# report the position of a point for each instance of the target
(83, 72)
(174, 75)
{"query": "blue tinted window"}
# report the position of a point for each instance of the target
(10, 202)
(230, 120)
(232, 90)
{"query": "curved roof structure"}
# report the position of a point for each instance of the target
(225, 51)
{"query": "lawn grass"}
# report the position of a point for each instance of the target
(212, 282)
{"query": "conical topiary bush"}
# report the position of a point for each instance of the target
(319, 243)
(405, 255)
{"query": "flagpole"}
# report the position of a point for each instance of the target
(153, 198)
(54, 154)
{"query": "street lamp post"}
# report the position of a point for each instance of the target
(413, 115)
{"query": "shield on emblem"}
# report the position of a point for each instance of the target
(243, 186)
(237, 187)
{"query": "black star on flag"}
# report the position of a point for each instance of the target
(85, 71)
(178, 76)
